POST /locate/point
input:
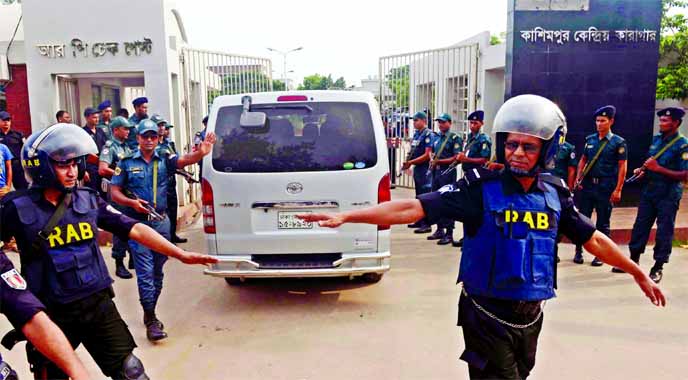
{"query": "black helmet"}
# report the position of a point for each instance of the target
(59, 142)
(535, 116)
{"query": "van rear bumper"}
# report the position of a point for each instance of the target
(351, 264)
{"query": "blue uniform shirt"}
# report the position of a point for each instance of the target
(5, 155)
(131, 139)
(451, 147)
(566, 158)
(135, 174)
(478, 146)
(675, 158)
(607, 164)
(421, 140)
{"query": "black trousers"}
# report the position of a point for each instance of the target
(95, 322)
(494, 350)
(172, 206)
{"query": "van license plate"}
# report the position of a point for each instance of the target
(287, 220)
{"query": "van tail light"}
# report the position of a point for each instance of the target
(292, 98)
(208, 208)
(384, 194)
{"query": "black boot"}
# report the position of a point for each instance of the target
(447, 239)
(439, 234)
(578, 257)
(121, 271)
(458, 244)
(154, 328)
(423, 229)
(596, 262)
(635, 257)
(656, 272)
(131, 261)
(177, 239)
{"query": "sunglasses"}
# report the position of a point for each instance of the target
(527, 147)
(149, 136)
(65, 164)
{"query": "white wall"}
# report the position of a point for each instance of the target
(143, 19)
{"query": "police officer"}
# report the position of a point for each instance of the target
(511, 219)
(419, 156)
(477, 151)
(13, 140)
(167, 148)
(145, 174)
(105, 109)
(27, 314)
(602, 168)
(140, 113)
(447, 145)
(665, 169)
(198, 139)
(92, 179)
(565, 163)
(114, 151)
(56, 226)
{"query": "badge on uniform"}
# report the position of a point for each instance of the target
(427, 140)
(456, 146)
(118, 170)
(484, 146)
(14, 280)
(684, 156)
(622, 150)
(105, 151)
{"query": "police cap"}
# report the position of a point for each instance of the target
(104, 105)
(90, 111)
(476, 116)
(205, 120)
(157, 119)
(606, 111)
(138, 101)
(420, 115)
(673, 112)
(146, 125)
(4, 115)
(119, 121)
(444, 117)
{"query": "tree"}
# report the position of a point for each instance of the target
(398, 81)
(278, 85)
(321, 82)
(672, 77)
(240, 83)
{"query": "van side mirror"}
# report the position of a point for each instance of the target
(252, 120)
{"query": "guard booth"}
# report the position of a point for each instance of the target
(434, 81)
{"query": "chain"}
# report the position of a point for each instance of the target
(542, 309)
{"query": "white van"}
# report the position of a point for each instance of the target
(280, 154)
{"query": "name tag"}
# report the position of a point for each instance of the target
(534, 220)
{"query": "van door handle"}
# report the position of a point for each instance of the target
(295, 205)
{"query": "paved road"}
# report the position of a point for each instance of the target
(600, 326)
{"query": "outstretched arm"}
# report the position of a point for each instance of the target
(198, 154)
(388, 213)
(156, 242)
(606, 250)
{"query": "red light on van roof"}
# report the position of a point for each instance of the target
(292, 98)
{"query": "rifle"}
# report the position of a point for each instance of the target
(408, 158)
(642, 170)
(153, 215)
(187, 176)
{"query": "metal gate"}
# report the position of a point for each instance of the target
(205, 75)
(435, 81)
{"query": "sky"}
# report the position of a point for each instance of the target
(342, 38)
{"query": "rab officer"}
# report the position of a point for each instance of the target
(56, 226)
(144, 176)
(510, 224)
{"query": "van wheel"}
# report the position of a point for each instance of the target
(372, 278)
(234, 281)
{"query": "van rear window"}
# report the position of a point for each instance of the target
(299, 137)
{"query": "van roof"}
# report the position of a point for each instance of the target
(316, 96)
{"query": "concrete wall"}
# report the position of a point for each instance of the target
(42, 27)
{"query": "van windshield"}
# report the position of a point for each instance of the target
(299, 137)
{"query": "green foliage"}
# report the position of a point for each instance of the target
(278, 85)
(672, 77)
(240, 83)
(398, 81)
(321, 82)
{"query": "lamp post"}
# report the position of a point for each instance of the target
(284, 56)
